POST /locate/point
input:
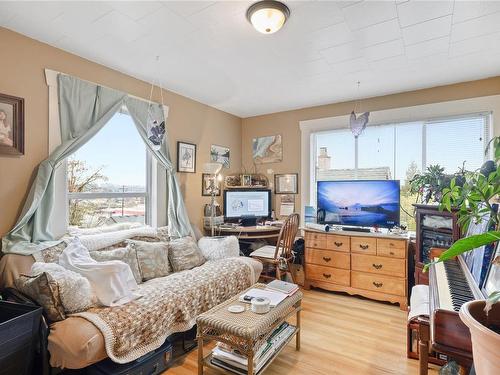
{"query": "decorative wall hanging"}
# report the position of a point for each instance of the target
(220, 154)
(186, 157)
(11, 125)
(155, 128)
(358, 124)
(210, 183)
(267, 149)
(286, 183)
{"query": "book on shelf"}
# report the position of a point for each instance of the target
(282, 286)
(230, 359)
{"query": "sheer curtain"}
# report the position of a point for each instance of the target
(84, 108)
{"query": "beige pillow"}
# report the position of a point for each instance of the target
(184, 254)
(152, 258)
(45, 291)
(125, 254)
(50, 254)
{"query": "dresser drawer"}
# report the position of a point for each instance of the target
(364, 245)
(378, 265)
(378, 283)
(328, 274)
(391, 248)
(338, 243)
(316, 240)
(328, 258)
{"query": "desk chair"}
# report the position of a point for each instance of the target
(279, 257)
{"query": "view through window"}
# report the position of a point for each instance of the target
(399, 151)
(107, 177)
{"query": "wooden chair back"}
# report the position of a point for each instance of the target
(286, 237)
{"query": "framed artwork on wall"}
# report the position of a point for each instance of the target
(186, 157)
(209, 181)
(11, 125)
(286, 183)
(220, 154)
(267, 149)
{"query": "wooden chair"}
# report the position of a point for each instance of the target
(280, 257)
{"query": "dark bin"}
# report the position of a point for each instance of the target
(19, 326)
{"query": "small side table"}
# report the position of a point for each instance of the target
(245, 331)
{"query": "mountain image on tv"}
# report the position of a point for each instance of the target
(359, 203)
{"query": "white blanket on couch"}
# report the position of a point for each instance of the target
(112, 281)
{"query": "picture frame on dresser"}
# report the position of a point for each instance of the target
(11, 125)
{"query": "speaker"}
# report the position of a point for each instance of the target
(248, 221)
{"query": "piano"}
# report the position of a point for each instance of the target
(451, 284)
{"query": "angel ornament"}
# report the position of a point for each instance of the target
(358, 124)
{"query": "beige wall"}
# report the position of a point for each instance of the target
(22, 65)
(287, 123)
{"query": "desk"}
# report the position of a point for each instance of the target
(259, 232)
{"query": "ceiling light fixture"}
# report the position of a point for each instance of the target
(268, 16)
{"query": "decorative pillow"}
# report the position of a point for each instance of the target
(214, 248)
(125, 242)
(152, 258)
(50, 254)
(125, 254)
(75, 292)
(45, 291)
(184, 254)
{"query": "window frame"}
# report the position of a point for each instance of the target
(150, 165)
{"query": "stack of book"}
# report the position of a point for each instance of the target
(229, 359)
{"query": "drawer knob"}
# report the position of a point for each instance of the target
(327, 259)
(377, 266)
(338, 244)
(377, 285)
(364, 247)
(327, 275)
(391, 252)
(391, 244)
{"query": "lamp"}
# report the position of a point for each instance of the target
(268, 16)
(213, 169)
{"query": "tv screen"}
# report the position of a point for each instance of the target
(364, 203)
(247, 202)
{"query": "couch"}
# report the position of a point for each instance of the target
(77, 342)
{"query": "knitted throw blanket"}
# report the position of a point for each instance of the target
(169, 304)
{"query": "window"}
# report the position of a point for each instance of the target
(107, 179)
(398, 151)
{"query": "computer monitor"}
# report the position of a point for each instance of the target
(241, 203)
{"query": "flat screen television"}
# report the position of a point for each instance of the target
(360, 203)
(241, 203)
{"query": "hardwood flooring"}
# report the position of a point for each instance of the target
(341, 335)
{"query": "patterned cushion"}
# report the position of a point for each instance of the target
(50, 254)
(45, 291)
(152, 258)
(125, 254)
(215, 248)
(184, 254)
(125, 242)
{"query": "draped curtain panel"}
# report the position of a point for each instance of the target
(84, 108)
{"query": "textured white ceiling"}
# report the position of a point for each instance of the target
(209, 52)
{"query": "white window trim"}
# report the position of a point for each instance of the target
(59, 221)
(426, 112)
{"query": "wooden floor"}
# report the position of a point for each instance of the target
(340, 335)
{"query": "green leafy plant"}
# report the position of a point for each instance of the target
(474, 200)
(429, 186)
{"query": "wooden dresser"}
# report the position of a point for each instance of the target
(367, 264)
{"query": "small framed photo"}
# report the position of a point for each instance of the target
(220, 154)
(246, 180)
(209, 182)
(286, 183)
(11, 125)
(186, 157)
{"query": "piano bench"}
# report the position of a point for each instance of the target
(418, 339)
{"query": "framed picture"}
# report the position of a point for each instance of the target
(207, 180)
(11, 125)
(220, 154)
(286, 183)
(186, 157)
(267, 149)
(246, 180)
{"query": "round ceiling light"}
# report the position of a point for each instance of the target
(268, 16)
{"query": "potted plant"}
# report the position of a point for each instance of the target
(475, 200)
(429, 185)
